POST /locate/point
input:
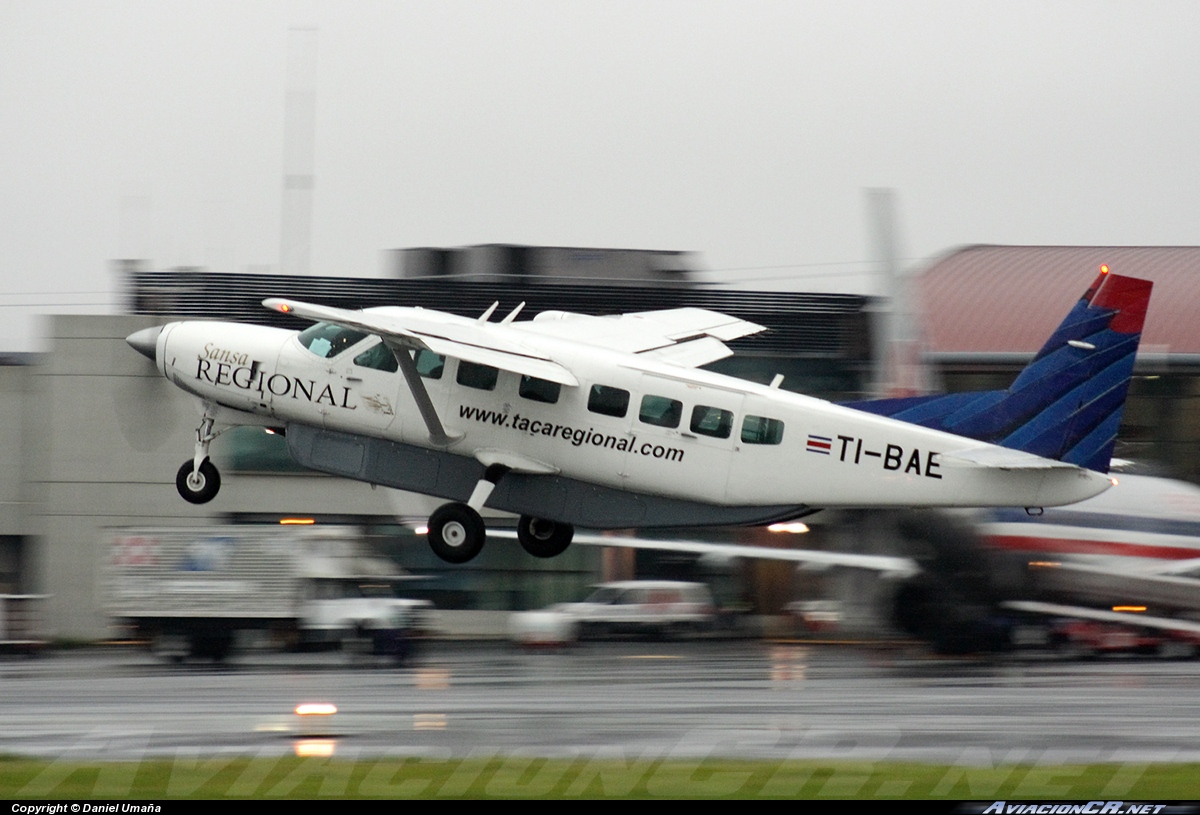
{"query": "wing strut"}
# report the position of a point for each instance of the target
(416, 386)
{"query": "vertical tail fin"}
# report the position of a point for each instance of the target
(1067, 403)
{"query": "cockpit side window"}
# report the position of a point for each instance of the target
(429, 364)
(327, 340)
(379, 357)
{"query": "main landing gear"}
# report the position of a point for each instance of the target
(198, 480)
(542, 538)
(457, 532)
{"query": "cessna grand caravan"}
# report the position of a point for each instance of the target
(610, 422)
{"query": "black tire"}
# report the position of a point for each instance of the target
(201, 489)
(456, 533)
(211, 645)
(542, 538)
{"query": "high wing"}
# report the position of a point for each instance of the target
(689, 337)
(483, 343)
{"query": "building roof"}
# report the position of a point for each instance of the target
(1007, 299)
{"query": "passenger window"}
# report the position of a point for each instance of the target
(661, 411)
(429, 364)
(379, 357)
(539, 390)
(761, 430)
(711, 421)
(327, 340)
(609, 401)
(480, 377)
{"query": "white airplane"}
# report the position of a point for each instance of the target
(608, 422)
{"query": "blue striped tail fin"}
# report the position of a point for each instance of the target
(1067, 403)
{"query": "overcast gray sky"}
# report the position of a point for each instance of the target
(744, 130)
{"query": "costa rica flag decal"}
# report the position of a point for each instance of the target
(819, 444)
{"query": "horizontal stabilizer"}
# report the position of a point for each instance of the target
(1000, 458)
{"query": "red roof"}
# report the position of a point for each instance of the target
(1009, 298)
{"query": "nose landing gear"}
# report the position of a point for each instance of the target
(198, 486)
(198, 480)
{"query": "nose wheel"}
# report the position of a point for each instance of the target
(198, 479)
(456, 533)
(198, 486)
(542, 538)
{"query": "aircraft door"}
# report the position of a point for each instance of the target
(593, 440)
(370, 382)
(683, 438)
(761, 468)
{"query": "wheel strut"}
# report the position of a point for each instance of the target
(204, 437)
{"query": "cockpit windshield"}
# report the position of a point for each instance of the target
(327, 340)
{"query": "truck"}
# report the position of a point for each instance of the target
(22, 629)
(198, 592)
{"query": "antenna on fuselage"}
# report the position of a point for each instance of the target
(483, 318)
(512, 315)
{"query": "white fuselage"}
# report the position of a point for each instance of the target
(810, 451)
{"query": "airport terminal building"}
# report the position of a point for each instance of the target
(96, 435)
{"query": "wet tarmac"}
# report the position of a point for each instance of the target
(625, 700)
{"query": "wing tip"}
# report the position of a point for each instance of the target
(279, 304)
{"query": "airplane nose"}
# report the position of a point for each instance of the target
(145, 341)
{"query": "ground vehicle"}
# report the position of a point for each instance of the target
(1089, 638)
(21, 626)
(192, 592)
(644, 607)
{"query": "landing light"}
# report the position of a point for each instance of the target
(429, 721)
(315, 748)
(421, 530)
(1114, 481)
(795, 528)
(316, 709)
(315, 718)
(1103, 268)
